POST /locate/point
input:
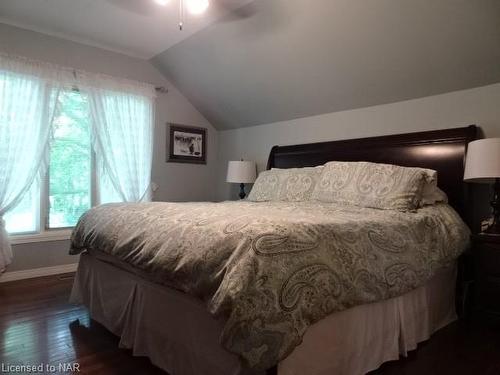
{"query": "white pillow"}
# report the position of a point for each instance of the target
(265, 187)
(431, 194)
(383, 186)
(292, 185)
(298, 184)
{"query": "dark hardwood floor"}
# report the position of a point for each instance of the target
(38, 325)
(461, 348)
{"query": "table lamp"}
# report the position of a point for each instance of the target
(241, 172)
(483, 165)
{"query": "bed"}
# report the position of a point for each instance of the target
(160, 310)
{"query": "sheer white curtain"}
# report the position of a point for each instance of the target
(122, 114)
(27, 99)
(123, 121)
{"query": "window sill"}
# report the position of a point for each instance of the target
(56, 235)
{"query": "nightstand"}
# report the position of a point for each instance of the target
(486, 254)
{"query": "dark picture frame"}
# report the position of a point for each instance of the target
(187, 144)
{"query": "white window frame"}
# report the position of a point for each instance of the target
(44, 233)
(42, 236)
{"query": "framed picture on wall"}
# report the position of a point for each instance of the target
(187, 144)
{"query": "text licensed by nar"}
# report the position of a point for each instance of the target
(42, 368)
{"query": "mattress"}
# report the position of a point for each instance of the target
(273, 269)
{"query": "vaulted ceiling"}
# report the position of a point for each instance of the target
(276, 60)
(297, 58)
(140, 28)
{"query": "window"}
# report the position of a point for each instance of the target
(70, 162)
(24, 217)
(66, 191)
(93, 145)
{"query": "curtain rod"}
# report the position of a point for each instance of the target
(160, 89)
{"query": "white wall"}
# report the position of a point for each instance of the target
(177, 182)
(480, 106)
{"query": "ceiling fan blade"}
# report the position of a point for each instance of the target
(150, 8)
(245, 11)
(142, 7)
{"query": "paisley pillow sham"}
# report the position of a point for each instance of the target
(291, 185)
(265, 187)
(297, 184)
(374, 185)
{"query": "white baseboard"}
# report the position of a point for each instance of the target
(37, 272)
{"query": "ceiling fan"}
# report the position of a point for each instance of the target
(195, 7)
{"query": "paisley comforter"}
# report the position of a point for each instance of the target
(272, 269)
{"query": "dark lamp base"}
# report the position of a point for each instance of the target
(494, 228)
(242, 191)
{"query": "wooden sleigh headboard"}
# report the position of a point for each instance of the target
(441, 150)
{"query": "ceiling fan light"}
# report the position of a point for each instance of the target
(197, 6)
(161, 2)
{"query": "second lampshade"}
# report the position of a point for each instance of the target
(241, 172)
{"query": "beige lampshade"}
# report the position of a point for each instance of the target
(483, 161)
(241, 172)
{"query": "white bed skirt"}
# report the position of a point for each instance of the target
(178, 334)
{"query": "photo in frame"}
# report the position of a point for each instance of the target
(187, 144)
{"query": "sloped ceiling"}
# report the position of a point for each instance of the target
(139, 28)
(297, 58)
